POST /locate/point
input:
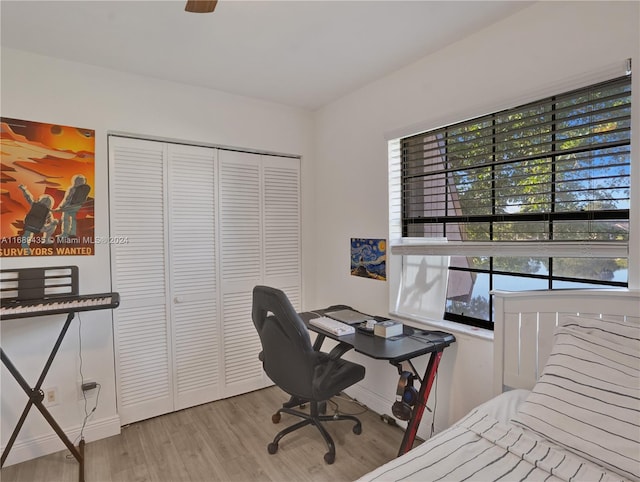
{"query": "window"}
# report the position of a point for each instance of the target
(533, 197)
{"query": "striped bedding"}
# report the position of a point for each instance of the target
(480, 448)
(581, 421)
(587, 400)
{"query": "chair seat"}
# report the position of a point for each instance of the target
(333, 377)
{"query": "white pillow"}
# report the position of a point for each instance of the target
(621, 332)
(587, 400)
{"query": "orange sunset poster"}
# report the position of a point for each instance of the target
(47, 174)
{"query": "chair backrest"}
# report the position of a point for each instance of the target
(287, 353)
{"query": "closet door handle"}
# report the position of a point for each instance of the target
(191, 297)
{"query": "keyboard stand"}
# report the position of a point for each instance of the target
(36, 397)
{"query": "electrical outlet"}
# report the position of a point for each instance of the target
(50, 396)
(89, 393)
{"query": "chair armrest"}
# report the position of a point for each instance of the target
(339, 350)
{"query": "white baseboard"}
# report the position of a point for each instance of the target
(372, 400)
(383, 406)
(47, 444)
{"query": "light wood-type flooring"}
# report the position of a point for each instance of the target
(224, 440)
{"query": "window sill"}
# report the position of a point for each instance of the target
(444, 325)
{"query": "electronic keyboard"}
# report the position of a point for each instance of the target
(11, 309)
(27, 292)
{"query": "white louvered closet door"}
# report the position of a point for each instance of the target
(192, 239)
(241, 268)
(281, 218)
(142, 331)
(256, 201)
(202, 232)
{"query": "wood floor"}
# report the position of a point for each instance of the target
(224, 441)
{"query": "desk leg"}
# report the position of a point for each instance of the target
(418, 409)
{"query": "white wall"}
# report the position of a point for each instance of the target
(547, 48)
(54, 91)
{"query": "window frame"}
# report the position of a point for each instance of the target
(402, 245)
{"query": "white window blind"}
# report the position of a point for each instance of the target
(537, 192)
(553, 171)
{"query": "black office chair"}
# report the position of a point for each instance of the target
(290, 361)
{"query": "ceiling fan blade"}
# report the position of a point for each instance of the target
(200, 6)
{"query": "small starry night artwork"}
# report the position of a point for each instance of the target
(369, 258)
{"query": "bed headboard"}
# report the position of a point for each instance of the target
(525, 322)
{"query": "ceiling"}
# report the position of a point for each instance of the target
(298, 53)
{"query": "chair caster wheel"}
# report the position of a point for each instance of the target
(329, 458)
(357, 429)
(272, 448)
(275, 418)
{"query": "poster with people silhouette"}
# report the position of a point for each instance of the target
(369, 258)
(48, 173)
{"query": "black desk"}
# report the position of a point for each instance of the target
(412, 344)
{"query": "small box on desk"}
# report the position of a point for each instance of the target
(387, 329)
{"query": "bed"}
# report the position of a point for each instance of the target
(567, 405)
